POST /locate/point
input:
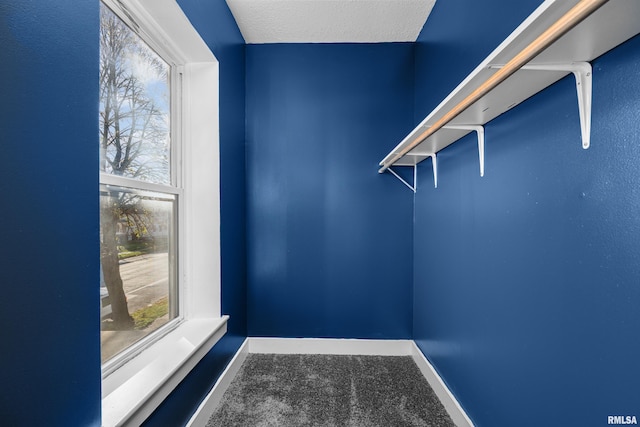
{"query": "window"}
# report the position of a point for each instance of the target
(138, 227)
(159, 194)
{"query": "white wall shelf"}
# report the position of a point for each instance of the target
(476, 101)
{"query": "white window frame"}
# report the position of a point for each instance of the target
(134, 386)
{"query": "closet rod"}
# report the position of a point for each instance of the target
(573, 17)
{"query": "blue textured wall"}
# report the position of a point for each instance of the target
(214, 22)
(329, 251)
(528, 303)
(48, 177)
(49, 312)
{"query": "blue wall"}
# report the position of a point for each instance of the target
(216, 26)
(528, 304)
(49, 308)
(49, 312)
(329, 251)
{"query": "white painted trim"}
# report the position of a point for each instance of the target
(122, 181)
(330, 346)
(209, 404)
(135, 390)
(201, 176)
(448, 400)
(162, 22)
(362, 347)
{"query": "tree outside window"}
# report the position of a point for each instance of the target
(137, 216)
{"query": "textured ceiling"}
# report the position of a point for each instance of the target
(330, 21)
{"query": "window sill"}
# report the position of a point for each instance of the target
(136, 389)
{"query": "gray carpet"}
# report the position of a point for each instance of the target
(327, 390)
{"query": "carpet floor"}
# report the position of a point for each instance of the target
(327, 390)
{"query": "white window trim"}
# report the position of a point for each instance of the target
(132, 391)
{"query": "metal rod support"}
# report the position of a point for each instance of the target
(415, 175)
(480, 131)
(434, 164)
(583, 73)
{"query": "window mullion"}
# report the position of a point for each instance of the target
(121, 181)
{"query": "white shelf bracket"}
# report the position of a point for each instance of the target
(582, 71)
(480, 131)
(434, 163)
(415, 178)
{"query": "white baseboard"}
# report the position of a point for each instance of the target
(209, 404)
(330, 346)
(448, 400)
